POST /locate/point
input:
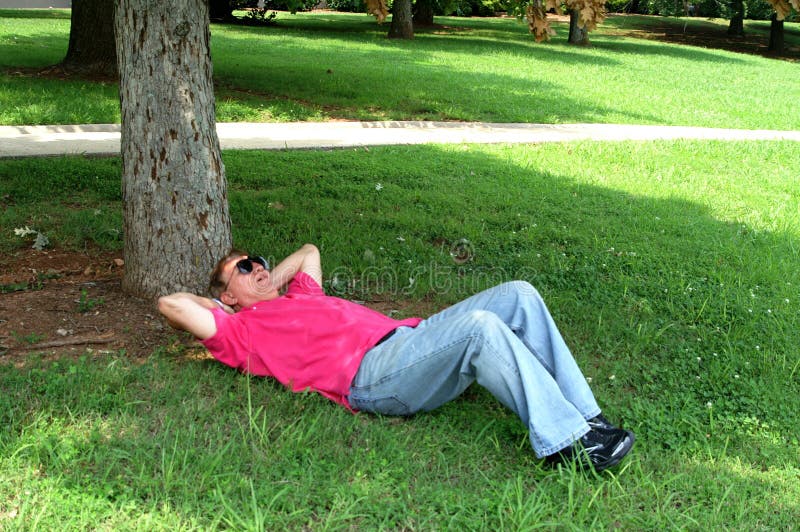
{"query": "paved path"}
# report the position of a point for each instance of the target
(103, 139)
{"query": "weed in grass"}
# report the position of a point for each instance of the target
(15, 287)
(87, 304)
(31, 338)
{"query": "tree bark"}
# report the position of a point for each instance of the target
(402, 26)
(776, 35)
(423, 13)
(91, 50)
(736, 26)
(175, 205)
(577, 33)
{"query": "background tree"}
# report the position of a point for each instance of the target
(782, 9)
(91, 50)
(736, 26)
(577, 33)
(585, 15)
(775, 34)
(423, 13)
(176, 221)
(402, 26)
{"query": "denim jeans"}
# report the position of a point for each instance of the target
(505, 339)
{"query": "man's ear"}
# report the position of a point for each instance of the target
(228, 299)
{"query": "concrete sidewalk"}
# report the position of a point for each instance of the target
(104, 139)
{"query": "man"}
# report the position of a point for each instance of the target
(503, 338)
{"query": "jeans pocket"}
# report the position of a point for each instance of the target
(390, 406)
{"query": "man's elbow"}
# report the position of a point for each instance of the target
(169, 305)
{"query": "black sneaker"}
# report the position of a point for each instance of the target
(600, 422)
(597, 449)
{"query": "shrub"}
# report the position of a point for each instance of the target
(280, 5)
(349, 6)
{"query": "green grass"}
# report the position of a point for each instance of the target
(670, 266)
(318, 66)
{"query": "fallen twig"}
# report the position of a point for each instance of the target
(68, 342)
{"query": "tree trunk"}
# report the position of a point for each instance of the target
(423, 13)
(402, 26)
(577, 33)
(776, 35)
(175, 205)
(91, 50)
(736, 27)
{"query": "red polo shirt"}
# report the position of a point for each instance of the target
(304, 339)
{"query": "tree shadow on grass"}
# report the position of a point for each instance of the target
(346, 82)
(643, 47)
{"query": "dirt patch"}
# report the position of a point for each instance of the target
(61, 303)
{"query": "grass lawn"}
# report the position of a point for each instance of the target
(319, 66)
(670, 266)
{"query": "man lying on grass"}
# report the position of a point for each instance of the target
(503, 338)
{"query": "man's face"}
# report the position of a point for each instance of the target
(244, 288)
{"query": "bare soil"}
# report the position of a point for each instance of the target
(61, 303)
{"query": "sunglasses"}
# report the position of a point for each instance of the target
(245, 266)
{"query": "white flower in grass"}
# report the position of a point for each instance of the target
(735, 375)
(612, 377)
(401, 239)
(588, 379)
(699, 359)
(378, 186)
(709, 404)
(786, 300)
(758, 348)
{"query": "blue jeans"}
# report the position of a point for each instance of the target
(505, 339)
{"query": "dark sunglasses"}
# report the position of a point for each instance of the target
(245, 266)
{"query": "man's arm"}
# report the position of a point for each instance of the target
(189, 312)
(306, 260)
